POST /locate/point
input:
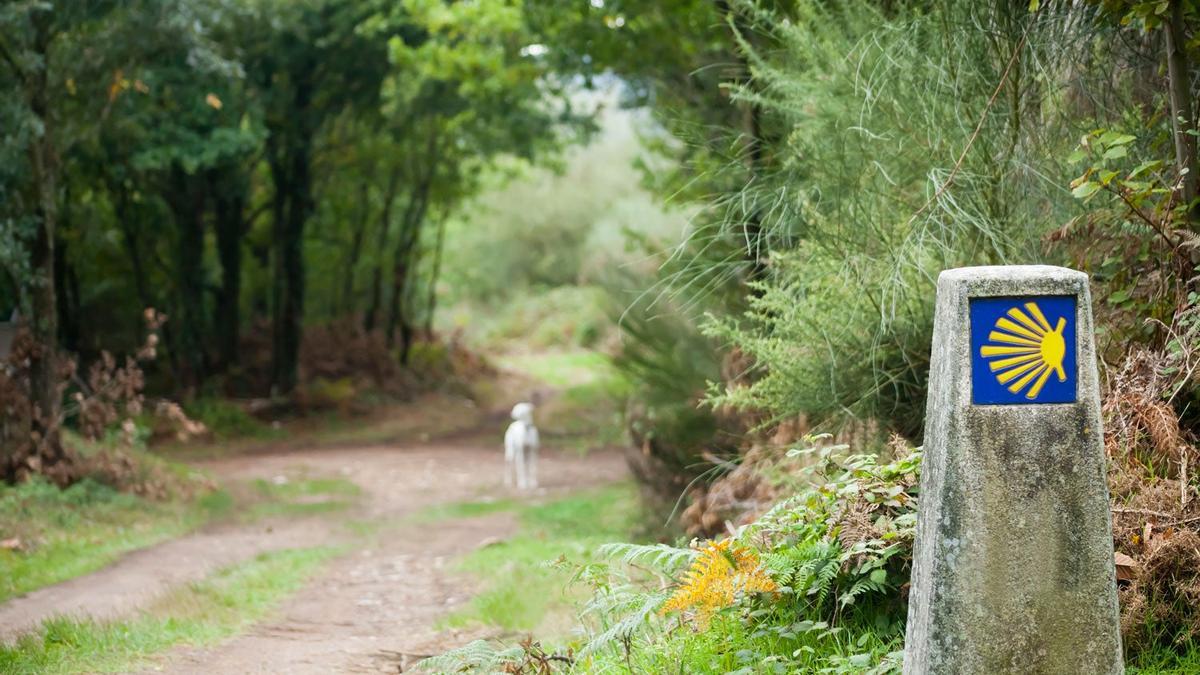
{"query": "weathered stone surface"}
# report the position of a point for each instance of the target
(1013, 571)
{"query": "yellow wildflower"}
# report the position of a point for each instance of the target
(716, 577)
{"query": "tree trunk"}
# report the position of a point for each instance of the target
(435, 272)
(293, 188)
(187, 201)
(1182, 121)
(291, 247)
(406, 245)
(66, 290)
(229, 193)
(402, 264)
(385, 222)
(46, 454)
(360, 232)
(125, 219)
(290, 159)
(399, 278)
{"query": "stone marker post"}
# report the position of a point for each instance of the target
(1013, 570)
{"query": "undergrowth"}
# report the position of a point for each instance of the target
(197, 614)
(522, 589)
(811, 586)
(50, 534)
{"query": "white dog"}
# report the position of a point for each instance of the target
(521, 448)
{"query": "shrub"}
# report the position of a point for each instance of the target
(811, 586)
(225, 419)
(895, 161)
(1156, 504)
(669, 364)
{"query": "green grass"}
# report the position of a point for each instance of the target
(225, 420)
(561, 369)
(198, 614)
(1162, 661)
(520, 591)
(302, 497)
(587, 412)
(465, 510)
(68, 533)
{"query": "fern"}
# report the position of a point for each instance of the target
(628, 624)
(865, 584)
(479, 656)
(667, 560)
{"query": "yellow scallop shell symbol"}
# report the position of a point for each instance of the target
(1026, 350)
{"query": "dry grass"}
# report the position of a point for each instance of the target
(1156, 513)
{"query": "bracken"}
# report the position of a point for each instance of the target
(717, 577)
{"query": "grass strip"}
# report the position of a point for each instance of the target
(197, 614)
(62, 534)
(522, 592)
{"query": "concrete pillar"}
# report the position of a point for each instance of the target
(1013, 570)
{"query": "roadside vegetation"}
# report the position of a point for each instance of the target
(201, 613)
(862, 149)
(705, 232)
(523, 588)
(54, 535)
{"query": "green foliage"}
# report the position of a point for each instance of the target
(529, 278)
(226, 420)
(478, 656)
(559, 317)
(239, 163)
(845, 544)
(839, 550)
(668, 363)
(199, 614)
(898, 162)
(522, 590)
(61, 534)
(1137, 240)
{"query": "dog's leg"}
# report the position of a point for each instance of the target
(510, 468)
(531, 454)
(533, 444)
(522, 470)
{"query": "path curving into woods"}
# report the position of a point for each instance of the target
(374, 608)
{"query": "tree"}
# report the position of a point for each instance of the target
(39, 57)
(467, 93)
(308, 61)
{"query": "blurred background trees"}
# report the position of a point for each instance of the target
(744, 203)
(200, 157)
(739, 206)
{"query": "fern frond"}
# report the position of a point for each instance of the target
(628, 625)
(479, 656)
(665, 559)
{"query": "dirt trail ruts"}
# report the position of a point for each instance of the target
(371, 610)
(375, 610)
(141, 576)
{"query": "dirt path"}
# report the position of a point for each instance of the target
(370, 610)
(138, 578)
